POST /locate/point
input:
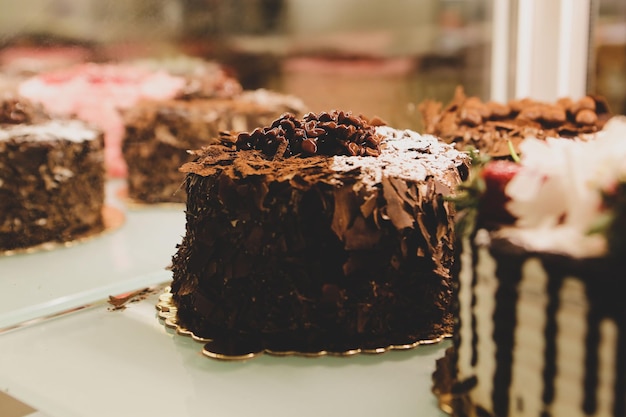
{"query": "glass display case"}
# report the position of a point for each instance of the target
(58, 334)
(376, 59)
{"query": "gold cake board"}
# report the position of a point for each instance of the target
(167, 311)
(452, 397)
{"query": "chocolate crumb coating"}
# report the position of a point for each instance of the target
(159, 134)
(314, 252)
(51, 179)
(468, 122)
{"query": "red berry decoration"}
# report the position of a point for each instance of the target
(496, 175)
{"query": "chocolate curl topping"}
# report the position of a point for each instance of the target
(334, 133)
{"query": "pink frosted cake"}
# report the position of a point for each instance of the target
(96, 92)
(541, 319)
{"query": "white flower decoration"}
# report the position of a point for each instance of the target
(557, 194)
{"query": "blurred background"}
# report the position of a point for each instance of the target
(371, 57)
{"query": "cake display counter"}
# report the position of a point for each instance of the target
(103, 361)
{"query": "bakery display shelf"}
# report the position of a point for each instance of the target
(47, 282)
(103, 361)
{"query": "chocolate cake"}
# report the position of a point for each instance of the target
(158, 135)
(51, 177)
(541, 322)
(326, 233)
(495, 128)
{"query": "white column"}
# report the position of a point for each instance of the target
(500, 44)
(573, 47)
(552, 48)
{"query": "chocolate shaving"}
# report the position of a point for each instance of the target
(395, 207)
(119, 302)
(344, 213)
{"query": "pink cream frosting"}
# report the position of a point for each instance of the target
(96, 93)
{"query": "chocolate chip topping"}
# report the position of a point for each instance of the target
(490, 126)
(334, 133)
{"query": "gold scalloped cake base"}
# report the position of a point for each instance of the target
(167, 312)
(112, 218)
(452, 396)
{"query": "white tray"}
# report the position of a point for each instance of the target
(103, 363)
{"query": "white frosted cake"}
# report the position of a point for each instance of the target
(541, 319)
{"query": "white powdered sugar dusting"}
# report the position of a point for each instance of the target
(72, 130)
(407, 155)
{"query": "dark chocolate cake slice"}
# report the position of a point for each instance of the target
(158, 135)
(51, 177)
(327, 233)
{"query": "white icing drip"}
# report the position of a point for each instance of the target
(72, 130)
(572, 329)
(485, 292)
(465, 311)
(406, 155)
(606, 368)
(526, 378)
